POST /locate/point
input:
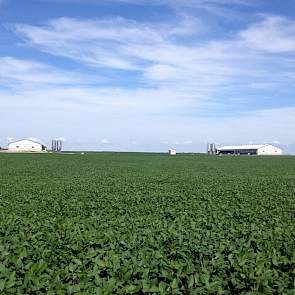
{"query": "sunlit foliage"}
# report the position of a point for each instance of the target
(146, 224)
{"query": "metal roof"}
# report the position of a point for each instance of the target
(242, 147)
(15, 141)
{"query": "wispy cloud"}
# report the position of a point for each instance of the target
(163, 2)
(163, 58)
(222, 8)
(14, 70)
(174, 80)
(188, 3)
(212, 6)
(273, 34)
(90, 41)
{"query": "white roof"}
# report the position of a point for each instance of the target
(242, 147)
(30, 140)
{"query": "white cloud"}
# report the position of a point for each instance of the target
(173, 73)
(90, 41)
(114, 43)
(223, 8)
(105, 141)
(193, 3)
(258, 126)
(163, 2)
(171, 70)
(262, 126)
(28, 71)
(154, 51)
(273, 34)
(196, 71)
(177, 85)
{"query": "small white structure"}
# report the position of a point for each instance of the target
(26, 145)
(172, 152)
(250, 149)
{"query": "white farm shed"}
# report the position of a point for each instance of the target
(172, 152)
(250, 149)
(26, 145)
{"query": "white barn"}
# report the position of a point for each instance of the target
(172, 152)
(250, 149)
(26, 145)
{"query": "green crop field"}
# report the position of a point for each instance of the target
(111, 223)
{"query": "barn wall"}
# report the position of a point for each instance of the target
(270, 150)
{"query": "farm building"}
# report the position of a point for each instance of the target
(172, 152)
(250, 149)
(26, 145)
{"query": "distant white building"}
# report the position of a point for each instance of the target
(26, 145)
(172, 152)
(250, 149)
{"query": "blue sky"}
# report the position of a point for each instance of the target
(143, 75)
